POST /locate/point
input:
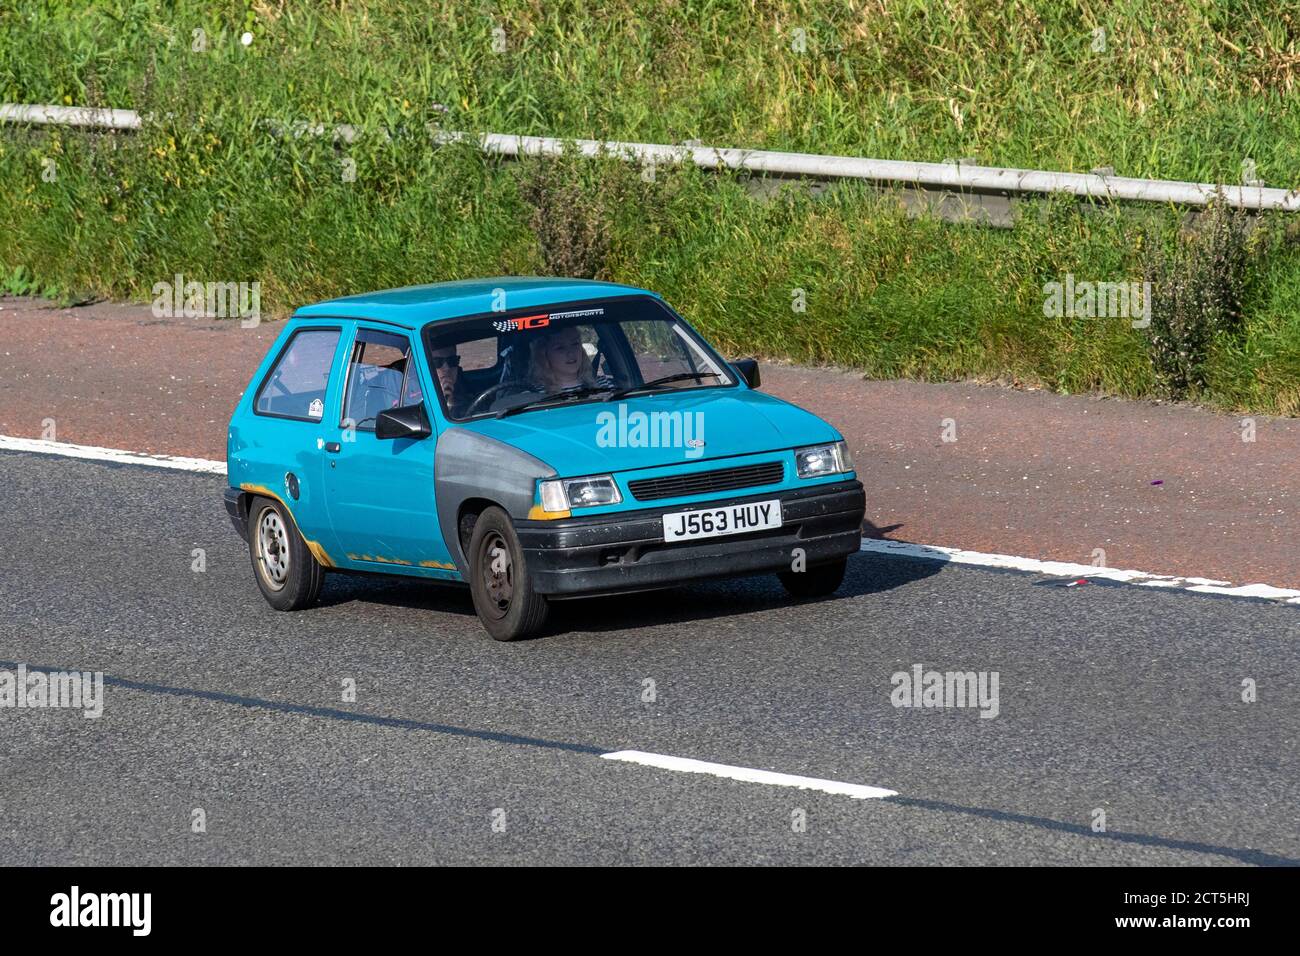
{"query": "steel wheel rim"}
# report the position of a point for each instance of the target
(272, 549)
(497, 573)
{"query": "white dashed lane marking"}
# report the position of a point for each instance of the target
(748, 775)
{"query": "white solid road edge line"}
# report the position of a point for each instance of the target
(875, 545)
(95, 453)
(1065, 569)
(747, 775)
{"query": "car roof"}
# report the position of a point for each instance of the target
(415, 305)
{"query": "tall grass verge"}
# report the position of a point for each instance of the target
(210, 189)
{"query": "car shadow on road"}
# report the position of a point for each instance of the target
(867, 574)
(414, 593)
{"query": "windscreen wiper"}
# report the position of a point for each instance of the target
(553, 396)
(679, 377)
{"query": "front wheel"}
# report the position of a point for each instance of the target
(504, 599)
(287, 573)
(817, 581)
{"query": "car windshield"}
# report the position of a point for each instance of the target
(509, 363)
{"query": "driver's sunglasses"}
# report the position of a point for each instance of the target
(438, 361)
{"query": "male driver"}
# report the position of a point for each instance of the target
(445, 364)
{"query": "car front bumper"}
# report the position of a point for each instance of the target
(625, 551)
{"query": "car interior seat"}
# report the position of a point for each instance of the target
(380, 388)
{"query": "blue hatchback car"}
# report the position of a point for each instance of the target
(538, 439)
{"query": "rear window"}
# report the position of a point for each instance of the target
(296, 386)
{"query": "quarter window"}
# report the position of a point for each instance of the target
(296, 386)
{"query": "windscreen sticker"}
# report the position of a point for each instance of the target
(577, 314)
(518, 325)
(541, 321)
(316, 409)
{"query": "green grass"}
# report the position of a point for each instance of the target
(1182, 90)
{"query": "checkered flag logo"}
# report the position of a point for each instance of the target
(523, 322)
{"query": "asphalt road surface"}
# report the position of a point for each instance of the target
(458, 749)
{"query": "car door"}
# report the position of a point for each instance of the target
(380, 492)
(275, 449)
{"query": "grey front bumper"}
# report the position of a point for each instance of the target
(612, 553)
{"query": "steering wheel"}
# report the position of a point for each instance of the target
(481, 402)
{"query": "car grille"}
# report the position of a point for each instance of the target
(703, 482)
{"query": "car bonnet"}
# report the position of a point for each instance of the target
(627, 434)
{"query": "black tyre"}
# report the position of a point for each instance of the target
(817, 581)
(507, 605)
(287, 573)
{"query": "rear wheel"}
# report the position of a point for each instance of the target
(817, 581)
(507, 605)
(287, 573)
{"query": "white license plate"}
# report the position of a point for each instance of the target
(715, 522)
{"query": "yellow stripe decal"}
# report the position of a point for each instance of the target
(314, 547)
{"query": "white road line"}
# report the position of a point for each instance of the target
(1065, 569)
(904, 549)
(747, 775)
(95, 453)
(1252, 590)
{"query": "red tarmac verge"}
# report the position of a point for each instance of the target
(1160, 488)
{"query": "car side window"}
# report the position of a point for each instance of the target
(295, 388)
(412, 394)
(377, 377)
(660, 350)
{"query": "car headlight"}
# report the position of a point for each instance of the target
(562, 494)
(818, 460)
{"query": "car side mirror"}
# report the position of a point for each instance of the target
(748, 369)
(409, 421)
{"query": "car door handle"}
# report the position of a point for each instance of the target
(333, 447)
